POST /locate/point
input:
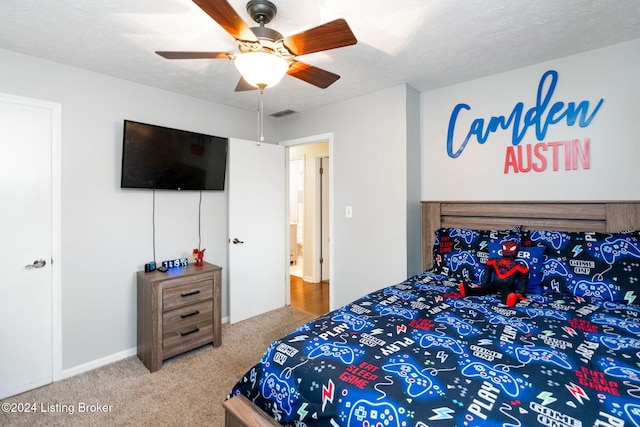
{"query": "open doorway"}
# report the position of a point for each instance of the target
(309, 227)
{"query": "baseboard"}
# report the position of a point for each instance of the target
(86, 367)
(68, 373)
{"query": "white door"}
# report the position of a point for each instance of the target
(257, 254)
(27, 140)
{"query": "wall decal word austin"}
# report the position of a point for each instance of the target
(534, 157)
(540, 117)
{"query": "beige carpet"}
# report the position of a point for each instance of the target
(187, 391)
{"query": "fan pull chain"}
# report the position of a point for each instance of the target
(261, 114)
(261, 118)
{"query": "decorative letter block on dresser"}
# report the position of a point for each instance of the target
(177, 311)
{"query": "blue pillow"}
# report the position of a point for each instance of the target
(463, 265)
(532, 257)
(594, 264)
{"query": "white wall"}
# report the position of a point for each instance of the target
(610, 74)
(107, 231)
(369, 172)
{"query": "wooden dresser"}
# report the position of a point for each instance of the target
(178, 311)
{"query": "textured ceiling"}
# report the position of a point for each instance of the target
(424, 43)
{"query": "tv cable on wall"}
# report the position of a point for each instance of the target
(200, 222)
(152, 265)
(153, 224)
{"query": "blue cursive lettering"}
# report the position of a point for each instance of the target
(540, 117)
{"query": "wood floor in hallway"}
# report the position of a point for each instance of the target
(310, 297)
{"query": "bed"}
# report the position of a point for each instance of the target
(417, 353)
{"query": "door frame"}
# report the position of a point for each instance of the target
(55, 110)
(321, 203)
(326, 137)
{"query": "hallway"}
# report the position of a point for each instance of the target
(310, 297)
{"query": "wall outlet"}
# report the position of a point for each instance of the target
(348, 212)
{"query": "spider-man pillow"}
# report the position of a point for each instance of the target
(462, 252)
(532, 257)
(601, 265)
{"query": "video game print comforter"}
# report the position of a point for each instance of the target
(418, 354)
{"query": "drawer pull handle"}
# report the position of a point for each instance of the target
(193, 331)
(195, 313)
(188, 294)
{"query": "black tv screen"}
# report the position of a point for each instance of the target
(158, 157)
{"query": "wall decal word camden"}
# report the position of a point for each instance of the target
(532, 157)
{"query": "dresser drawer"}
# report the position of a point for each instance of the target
(186, 338)
(178, 296)
(182, 318)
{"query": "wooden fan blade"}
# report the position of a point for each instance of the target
(244, 86)
(331, 35)
(310, 74)
(193, 55)
(225, 15)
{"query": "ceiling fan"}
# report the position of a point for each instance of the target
(272, 52)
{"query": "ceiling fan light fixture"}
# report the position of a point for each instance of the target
(261, 68)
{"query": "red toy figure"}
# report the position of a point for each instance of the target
(198, 255)
(504, 276)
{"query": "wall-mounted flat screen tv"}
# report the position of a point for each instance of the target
(162, 158)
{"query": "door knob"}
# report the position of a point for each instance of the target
(39, 263)
(236, 241)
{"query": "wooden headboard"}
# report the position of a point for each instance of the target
(562, 216)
